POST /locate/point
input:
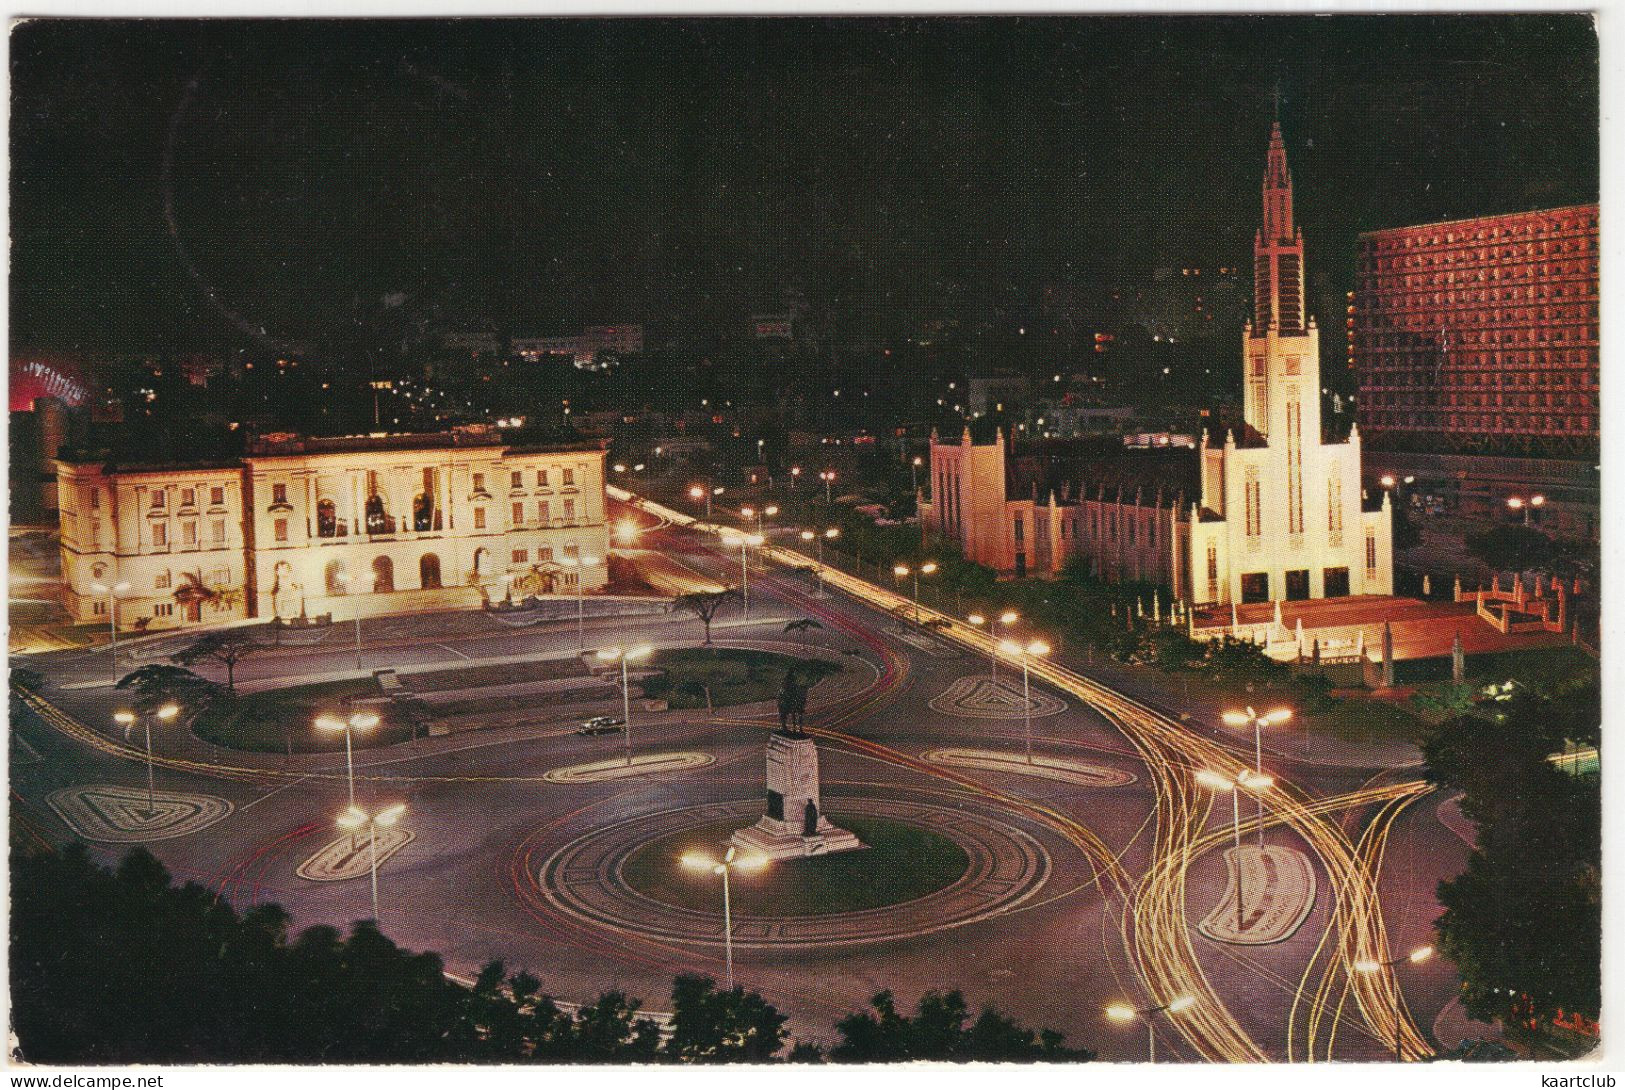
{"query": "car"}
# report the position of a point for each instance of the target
(936, 622)
(601, 724)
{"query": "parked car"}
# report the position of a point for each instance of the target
(601, 724)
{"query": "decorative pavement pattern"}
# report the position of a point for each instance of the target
(984, 698)
(616, 768)
(583, 880)
(351, 856)
(112, 814)
(1278, 890)
(1049, 768)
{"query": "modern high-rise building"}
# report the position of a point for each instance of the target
(1276, 512)
(1475, 346)
(1479, 335)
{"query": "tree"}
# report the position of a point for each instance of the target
(156, 684)
(705, 604)
(227, 647)
(938, 1031)
(801, 626)
(24, 678)
(1512, 548)
(714, 1027)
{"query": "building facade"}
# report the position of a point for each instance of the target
(1277, 514)
(1480, 335)
(304, 527)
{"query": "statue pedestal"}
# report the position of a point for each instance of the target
(794, 825)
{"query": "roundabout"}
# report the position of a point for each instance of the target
(619, 768)
(607, 878)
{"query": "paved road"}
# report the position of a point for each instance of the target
(486, 822)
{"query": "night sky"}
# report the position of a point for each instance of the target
(537, 173)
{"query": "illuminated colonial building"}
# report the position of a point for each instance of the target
(303, 526)
(1274, 513)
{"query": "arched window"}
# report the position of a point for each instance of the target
(423, 512)
(429, 571)
(337, 579)
(327, 518)
(383, 574)
(378, 521)
(482, 563)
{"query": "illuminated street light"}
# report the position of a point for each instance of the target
(356, 721)
(1259, 722)
(1517, 503)
(1008, 617)
(611, 654)
(112, 593)
(580, 564)
(744, 541)
(730, 862)
(1125, 1012)
(126, 719)
(828, 477)
(1034, 649)
(903, 571)
(1415, 957)
(699, 492)
(914, 471)
(829, 534)
(353, 819)
(795, 471)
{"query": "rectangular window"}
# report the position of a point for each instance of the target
(516, 479)
(1334, 505)
(569, 510)
(281, 529)
(518, 514)
(479, 518)
(479, 482)
(217, 531)
(161, 582)
(544, 511)
(541, 477)
(160, 535)
(99, 607)
(520, 556)
(188, 497)
(569, 477)
(544, 555)
(159, 499)
(188, 533)
(572, 551)
(163, 609)
(95, 499)
(1020, 529)
(1370, 554)
(217, 497)
(279, 493)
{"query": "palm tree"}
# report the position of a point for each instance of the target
(801, 627)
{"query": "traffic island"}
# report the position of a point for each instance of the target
(619, 768)
(352, 856)
(112, 814)
(1064, 769)
(1276, 891)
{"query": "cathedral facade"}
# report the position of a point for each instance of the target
(1275, 513)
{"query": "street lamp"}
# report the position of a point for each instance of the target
(828, 477)
(126, 719)
(1035, 649)
(345, 578)
(112, 593)
(1259, 722)
(902, 571)
(744, 541)
(1518, 503)
(914, 471)
(1125, 1012)
(730, 862)
(1218, 781)
(1415, 957)
(356, 721)
(610, 654)
(795, 471)
(353, 819)
(580, 564)
(697, 494)
(1008, 617)
(829, 534)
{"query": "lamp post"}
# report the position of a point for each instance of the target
(126, 719)
(903, 571)
(1008, 617)
(914, 472)
(345, 578)
(1124, 1012)
(744, 541)
(1218, 781)
(112, 593)
(1415, 957)
(610, 654)
(828, 477)
(795, 471)
(1259, 722)
(354, 722)
(580, 564)
(1518, 503)
(829, 534)
(1034, 649)
(730, 862)
(353, 819)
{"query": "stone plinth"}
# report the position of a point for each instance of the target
(794, 825)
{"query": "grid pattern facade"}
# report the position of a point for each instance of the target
(1479, 335)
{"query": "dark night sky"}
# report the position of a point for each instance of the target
(554, 171)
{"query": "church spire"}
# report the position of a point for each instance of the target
(1277, 249)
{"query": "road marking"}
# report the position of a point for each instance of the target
(454, 651)
(113, 814)
(249, 806)
(347, 857)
